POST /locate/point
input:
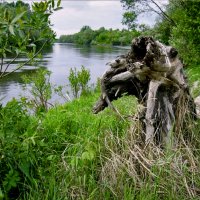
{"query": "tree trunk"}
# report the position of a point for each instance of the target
(154, 74)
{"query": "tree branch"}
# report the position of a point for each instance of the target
(164, 14)
(1, 63)
(9, 64)
(20, 66)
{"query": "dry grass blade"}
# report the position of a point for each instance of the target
(175, 167)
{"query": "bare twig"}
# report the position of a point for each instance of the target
(164, 14)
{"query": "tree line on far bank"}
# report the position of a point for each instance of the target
(177, 24)
(102, 36)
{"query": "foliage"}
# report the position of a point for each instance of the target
(162, 31)
(79, 81)
(129, 19)
(70, 153)
(134, 8)
(184, 33)
(177, 25)
(83, 77)
(56, 156)
(40, 89)
(185, 36)
(87, 36)
(24, 30)
(14, 122)
(74, 82)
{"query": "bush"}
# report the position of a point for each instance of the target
(14, 123)
(56, 156)
(79, 81)
(40, 88)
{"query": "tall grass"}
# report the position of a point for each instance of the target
(70, 153)
(54, 155)
(136, 170)
(148, 172)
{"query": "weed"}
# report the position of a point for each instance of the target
(79, 81)
(40, 88)
(70, 153)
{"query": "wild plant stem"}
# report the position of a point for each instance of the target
(9, 64)
(3, 75)
(1, 63)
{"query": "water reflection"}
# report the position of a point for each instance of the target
(59, 59)
(11, 86)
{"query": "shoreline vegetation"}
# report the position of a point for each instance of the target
(69, 153)
(101, 37)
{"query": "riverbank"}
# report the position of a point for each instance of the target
(54, 155)
(58, 60)
(70, 153)
(102, 36)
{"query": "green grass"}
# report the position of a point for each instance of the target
(70, 153)
(55, 155)
(193, 75)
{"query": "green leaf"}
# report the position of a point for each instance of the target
(51, 157)
(3, 23)
(59, 8)
(53, 3)
(21, 34)
(11, 180)
(18, 17)
(1, 195)
(75, 161)
(11, 29)
(88, 155)
(58, 3)
(32, 45)
(25, 167)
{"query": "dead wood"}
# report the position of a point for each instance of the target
(154, 74)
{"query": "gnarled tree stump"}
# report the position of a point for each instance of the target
(154, 74)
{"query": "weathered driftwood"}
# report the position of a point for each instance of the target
(197, 102)
(154, 74)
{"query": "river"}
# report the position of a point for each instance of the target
(59, 59)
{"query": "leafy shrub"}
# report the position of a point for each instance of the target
(56, 156)
(40, 88)
(83, 78)
(79, 81)
(14, 122)
(74, 83)
(13, 117)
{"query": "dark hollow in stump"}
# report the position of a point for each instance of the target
(154, 74)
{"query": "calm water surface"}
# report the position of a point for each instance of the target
(59, 60)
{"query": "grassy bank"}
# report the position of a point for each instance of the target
(70, 153)
(56, 155)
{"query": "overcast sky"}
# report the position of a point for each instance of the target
(75, 14)
(94, 13)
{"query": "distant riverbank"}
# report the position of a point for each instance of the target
(102, 36)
